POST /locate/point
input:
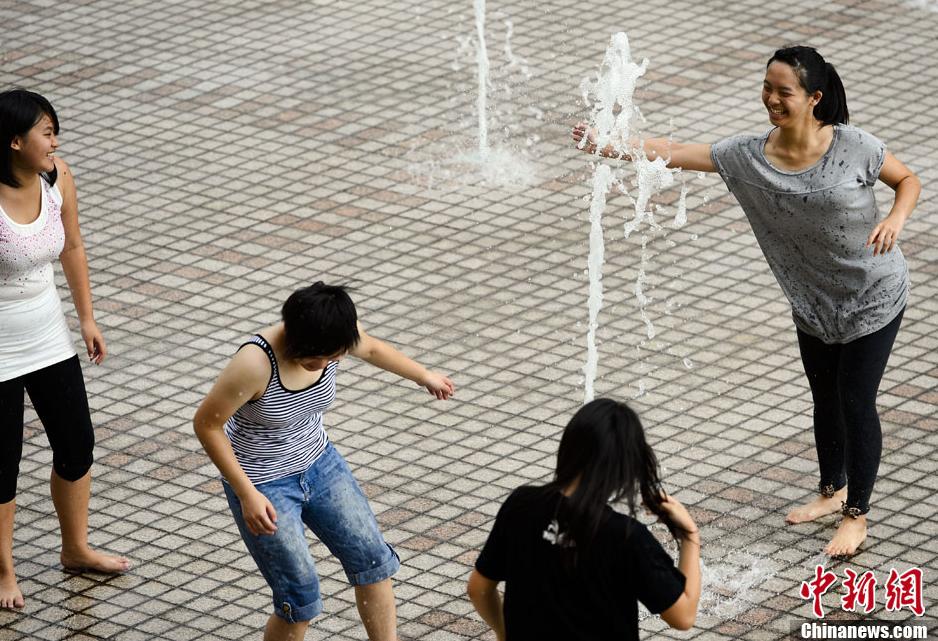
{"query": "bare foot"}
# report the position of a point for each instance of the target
(821, 506)
(850, 534)
(92, 561)
(10, 596)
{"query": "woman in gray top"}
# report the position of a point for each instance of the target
(806, 187)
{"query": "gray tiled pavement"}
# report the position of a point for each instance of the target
(227, 152)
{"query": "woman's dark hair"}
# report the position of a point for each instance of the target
(603, 451)
(20, 110)
(815, 74)
(319, 320)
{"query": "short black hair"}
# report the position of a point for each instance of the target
(20, 110)
(319, 320)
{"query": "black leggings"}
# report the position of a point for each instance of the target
(58, 396)
(844, 380)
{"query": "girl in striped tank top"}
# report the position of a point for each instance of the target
(261, 424)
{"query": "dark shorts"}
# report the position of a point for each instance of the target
(58, 395)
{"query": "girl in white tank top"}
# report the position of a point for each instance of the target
(33, 332)
(39, 224)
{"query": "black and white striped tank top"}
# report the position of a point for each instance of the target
(281, 433)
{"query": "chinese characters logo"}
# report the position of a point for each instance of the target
(901, 590)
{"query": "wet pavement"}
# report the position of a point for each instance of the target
(227, 153)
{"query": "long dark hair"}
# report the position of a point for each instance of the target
(603, 450)
(816, 74)
(20, 110)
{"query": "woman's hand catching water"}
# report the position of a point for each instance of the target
(585, 138)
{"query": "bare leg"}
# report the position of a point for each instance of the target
(821, 506)
(10, 595)
(71, 504)
(282, 630)
(377, 610)
(850, 534)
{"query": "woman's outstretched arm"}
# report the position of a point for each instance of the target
(380, 354)
(692, 156)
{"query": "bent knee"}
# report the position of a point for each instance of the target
(72, 468)
(8, 485)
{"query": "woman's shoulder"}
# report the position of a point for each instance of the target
(734, 154)
(626, 527)
(526, 499)
(251, 367)
(253, 354)
(743, 140)
(61, 176)
(858, 152)
(856, 137)
(60, 180)
(845, 128)
(526, 493)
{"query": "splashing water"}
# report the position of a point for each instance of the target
(482, 58)
(725, 583)
(639, 291)
(612, 105)
(728, 584)
(602, 182)
(481, 161)
(652, 176)
(612, 111)
(513, 60)
(928, 5)
(500, 167)
(610, 97)
(680, 217)
(640, 387)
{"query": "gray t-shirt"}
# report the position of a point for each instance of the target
(812, 226)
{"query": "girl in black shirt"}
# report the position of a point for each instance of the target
(574, 568)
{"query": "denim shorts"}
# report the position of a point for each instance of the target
(327, 499)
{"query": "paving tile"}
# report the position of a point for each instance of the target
(221, 165)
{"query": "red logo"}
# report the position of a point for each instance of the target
(905, 591)
(823, 580)
(902, 590)
(861, 591)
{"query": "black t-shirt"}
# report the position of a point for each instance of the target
(547, 597)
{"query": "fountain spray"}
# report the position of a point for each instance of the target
(610, 96)
(482, 58)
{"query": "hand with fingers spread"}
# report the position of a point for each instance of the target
(259, 513)
(585, 137)
(884, 236)
(439, 386)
